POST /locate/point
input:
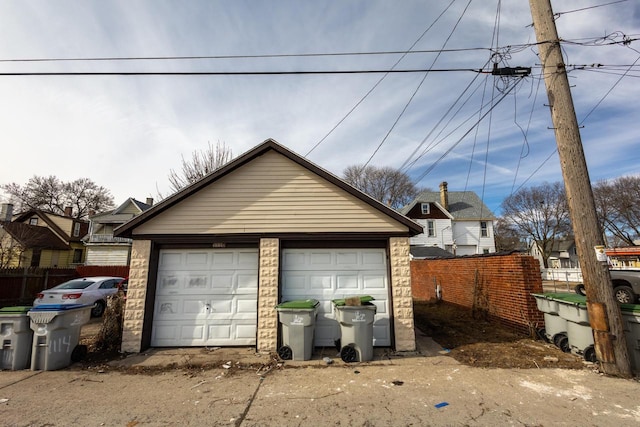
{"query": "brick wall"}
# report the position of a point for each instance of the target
(496, 286)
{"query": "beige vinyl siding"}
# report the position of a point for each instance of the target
(130, 209)
(270, 194)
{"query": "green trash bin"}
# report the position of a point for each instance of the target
(16, 338)
(298, 320)
(356, 329)
(56, 334)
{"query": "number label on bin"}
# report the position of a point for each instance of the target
(359, 317)
(297, 320)
(60, 345)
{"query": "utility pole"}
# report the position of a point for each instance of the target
(604, 313)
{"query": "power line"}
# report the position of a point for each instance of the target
(418, 87)
(446, 153)
(228, 73)
(379, 81)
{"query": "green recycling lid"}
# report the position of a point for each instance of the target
(299, 304)
(20, 309)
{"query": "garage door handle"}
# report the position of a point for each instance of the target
(207, 307)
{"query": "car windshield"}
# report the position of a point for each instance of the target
(75, 284)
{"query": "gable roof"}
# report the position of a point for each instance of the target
(33, 236)
(118, 215)
(131, 201)
(267, 146)
(462, 204)
(45, 216)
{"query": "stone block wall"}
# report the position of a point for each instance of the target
(401, 299)
(268, 295)
(136, 294)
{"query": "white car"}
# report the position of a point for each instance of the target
(86, 291)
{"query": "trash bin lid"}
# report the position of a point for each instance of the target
(19, 309)
(364, 299)
(57, 307)
(567, 297)
(299, 304)
(630, 308)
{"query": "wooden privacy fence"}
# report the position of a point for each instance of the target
(19, 286)
(497, 286)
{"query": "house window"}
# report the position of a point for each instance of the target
(424, 208)
(76, 229)
(485, 250)
(33, 221)
(431, 229)
(484, 231)
(77, 256)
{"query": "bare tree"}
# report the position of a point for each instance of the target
(202, 162)
(507, 236)
(618, 209)
(388, 185)
(53, 195)
(540, 213)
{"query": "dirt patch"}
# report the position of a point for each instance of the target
(482, 343)
(474, 342)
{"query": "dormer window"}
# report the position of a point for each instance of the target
(424, 208)
(76, 229)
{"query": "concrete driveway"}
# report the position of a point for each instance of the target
(171, 387)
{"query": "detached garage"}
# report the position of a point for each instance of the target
(210, 263)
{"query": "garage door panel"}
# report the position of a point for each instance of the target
(318, 282)
(327, 274)
(346, 282)
(247, 283)
(206, 297)
(374, 281)
(347, 259)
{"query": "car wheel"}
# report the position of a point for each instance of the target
(624, 295)
(580, 290)
(98, 309)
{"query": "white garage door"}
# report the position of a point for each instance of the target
(327, 274)
(206, 297)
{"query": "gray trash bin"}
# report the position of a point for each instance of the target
(631, 320)
(16, 338)
(298, 319)
(356, 329)
(573, 308)
(555, 327)
(56, 334)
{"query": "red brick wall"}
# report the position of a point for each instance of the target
(498, 286)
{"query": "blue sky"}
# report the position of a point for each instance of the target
(127, 132)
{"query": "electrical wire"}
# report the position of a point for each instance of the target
(454, 145)
(464, 11)
(222, 73)
(366, 95)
